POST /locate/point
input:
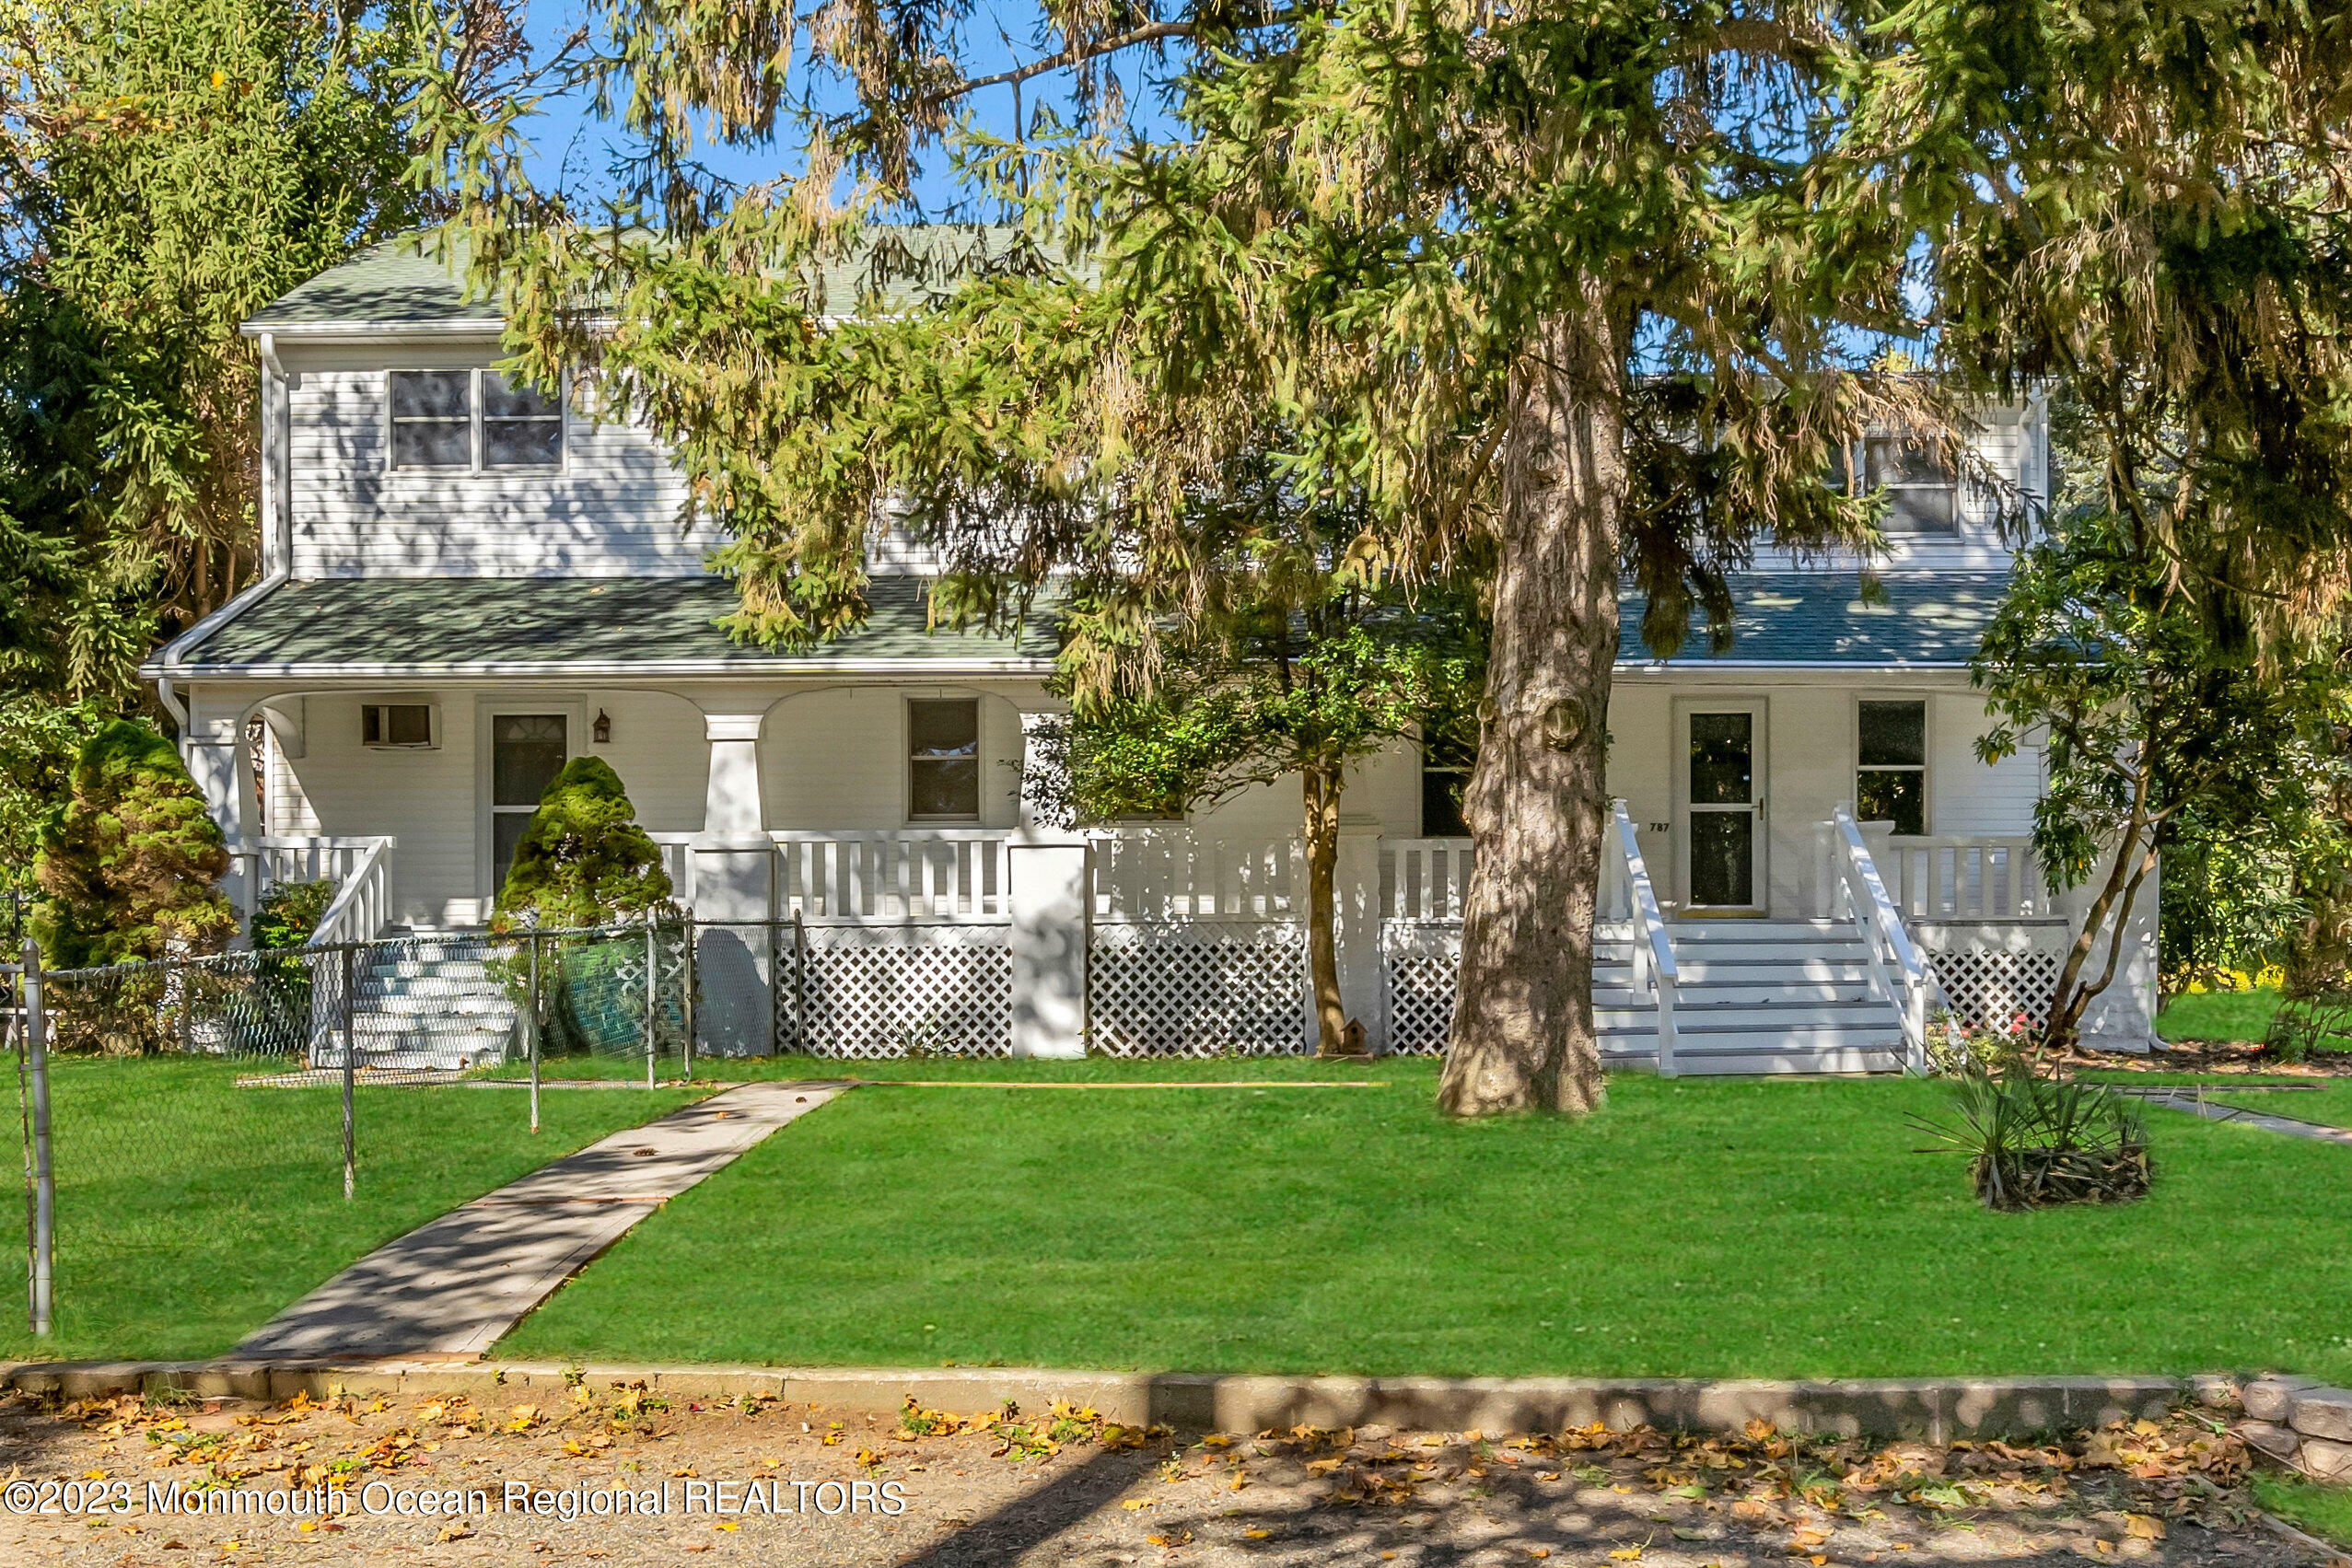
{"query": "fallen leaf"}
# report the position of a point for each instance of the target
(729, 1524)
(2146, 1527)
(452, 1532)
(1172, 1538)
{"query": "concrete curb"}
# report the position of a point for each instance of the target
(1937, 1410)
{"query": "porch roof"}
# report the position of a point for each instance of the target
(1914, 620)
(399, 626)
(396, 284)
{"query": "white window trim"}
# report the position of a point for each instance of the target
(1858, 468)
(906, 758)
(1925, 769)
(475, 467)
(576, 715)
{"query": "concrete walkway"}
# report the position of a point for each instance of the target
(454, 1287)
(2212, 1110)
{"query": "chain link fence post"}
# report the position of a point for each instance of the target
(350, 1073)
(531, 1028)
(686, 991)
(44, 1189)
(653, 994)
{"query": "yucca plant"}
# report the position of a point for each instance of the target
(2035, 1142)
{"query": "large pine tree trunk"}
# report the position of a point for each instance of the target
(1321, 788)
(1537, 798)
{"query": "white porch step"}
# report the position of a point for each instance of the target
(1751, 996)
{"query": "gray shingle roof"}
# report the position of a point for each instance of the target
(395, 283)
(1921, 619)
(434, 622)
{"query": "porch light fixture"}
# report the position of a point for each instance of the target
(603, 728)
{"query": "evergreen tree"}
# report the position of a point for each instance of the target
(1557, 280)
(172, 166)
(130, 868)
(583, 861)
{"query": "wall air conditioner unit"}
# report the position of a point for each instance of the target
(399, 727)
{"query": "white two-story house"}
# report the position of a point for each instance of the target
(466, 583)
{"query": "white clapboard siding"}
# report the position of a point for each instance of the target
(611, 511)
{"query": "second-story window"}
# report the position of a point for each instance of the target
(1923, 493)
(472, 421)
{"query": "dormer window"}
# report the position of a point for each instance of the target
(473, 422)
(1923, 493)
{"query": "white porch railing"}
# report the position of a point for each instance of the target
(1897, 973)
(859, 878)
(1423, 878)
(677, 863)
(1654, 968)
(1163, 874)
(364, 902)
(1961, 879)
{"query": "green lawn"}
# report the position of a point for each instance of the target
(2219, 1015)
(2331, 1103)
(1723, 1228)
(189, 1210)
(2323, 1511)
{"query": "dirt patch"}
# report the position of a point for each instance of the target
(1065, 1487)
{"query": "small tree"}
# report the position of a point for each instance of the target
(1262, 694)
(2156, 734)
(583, 860)
(133, 863)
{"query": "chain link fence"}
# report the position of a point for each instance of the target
(149, 1093)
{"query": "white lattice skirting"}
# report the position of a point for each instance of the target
(896, 991)
(1987, 989)
(1204, 988)
(1417, 964)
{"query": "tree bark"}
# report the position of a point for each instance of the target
(1537, 800)
(1321, 786)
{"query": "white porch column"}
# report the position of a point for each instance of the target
(1050, 890)
(1356, 895)
(734, 882)
(217, 760)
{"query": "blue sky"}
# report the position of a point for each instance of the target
(570, 148)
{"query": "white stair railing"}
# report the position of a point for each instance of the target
(1897, 974)
(1654, 970)
(363, 904)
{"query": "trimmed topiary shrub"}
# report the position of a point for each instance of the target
(133, 863)
(583, 861)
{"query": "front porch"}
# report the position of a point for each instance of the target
(1173, 941)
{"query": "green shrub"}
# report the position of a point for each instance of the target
(2035, 1142)
(133, 861)
(583, 861)
(290, 913)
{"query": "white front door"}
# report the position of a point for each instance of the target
(1719, 796)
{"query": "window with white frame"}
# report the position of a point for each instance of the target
(1923, 493)
(1890, 771)
(1445, 774)
(472, 421)
(943, 759)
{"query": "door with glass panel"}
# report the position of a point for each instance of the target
(1723, 799)
(527, 750)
